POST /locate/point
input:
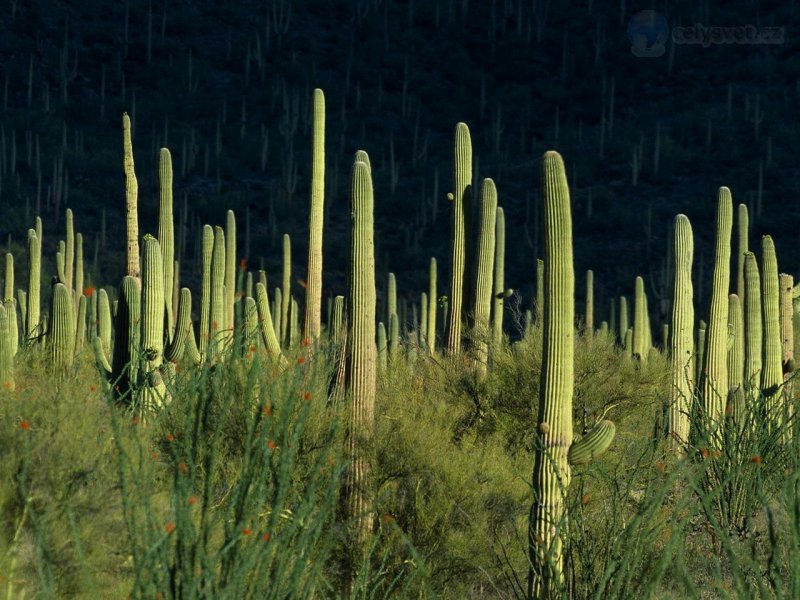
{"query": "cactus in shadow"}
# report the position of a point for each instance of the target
(286, 293)
(498, 297)
(682, 342)
(10, 304)
(623, 318)
(230, 276)
(69, 251)
(6, 352)
(313, 312)
(433, 298)
(104, 320)
(552, 471)
(152, 323)
(216, 337)
(714, 382)
(60, 341)
(337, 320)
(753, 328)
(461, 198)
(265, 323)
(589, 317)
(735, 402)
(382, 347)
(772, 373)
(391, 300)
(484, 262)
(640, 325)
(207, 252)
(360, 367)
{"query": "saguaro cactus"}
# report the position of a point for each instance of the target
(132, 268)
(166, 230)
(498, 298)
(742, 221)
(360, 359)
(640, 346)
(286, 294)
(753, 327)
(772, 375)
(483, 275)
(462, 179)
(715, 367)
(432, 306)
(589, 322)
(551, 471)
(682, 342)
(311, 323)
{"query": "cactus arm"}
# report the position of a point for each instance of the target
(592, 445)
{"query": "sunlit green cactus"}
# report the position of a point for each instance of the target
(6, 354)
(60, 342)
(641, 350)
(462, 180)
(131, 202)
(484, 261)
(772, 373)
(714, 379)
(166, 231)
(432, 306)
(498, 298)
(552, 471)
(33, 318)
(286, 292)
(682, 341)
(311, 323)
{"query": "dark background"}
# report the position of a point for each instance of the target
(397, 76)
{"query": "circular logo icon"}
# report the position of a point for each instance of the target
(648, 32)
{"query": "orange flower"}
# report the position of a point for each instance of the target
(88, 291)
(306, 342)
(9, 385)
(388, 517)
(307, 396)
(756, 460)
(191, 500)
(585, 499)
(154, 455)
(93, 388)
(266, 536)
(247, 531)
(183, 467)
(24, 425)
(660, 465)
(704, 453)
(242, 264)
(135, 420)
(170, 437)
(267, 410)
(301, 360)
(169, 528)
(271, 445)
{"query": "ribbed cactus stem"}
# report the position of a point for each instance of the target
(268, 334)
(78, 266)
(294, 323)
(735, 408)
(33, 318)
(125, 363)
(551, 472)
(753, 327)
(787, 331)
(593, 444)
(207, 252)
(383, 353)
(433, 298)
(337, 320)
(166, 230)
(391, 298)
(742, 222)
(183, 327)
(484, 267)
(361, 358)
(69, 251)
(230, 273)
(216, 338)
(623, 318)
(286, 292)
(153, 304)
(394, 336)
(772, 374)
(715, 367)
(313, 312)
(104, 320)
(132, 268)
(462, 179)
(10, 304)
(682, 342)
(423, 325)
(539, 305)
(80, 324)
(498, 298)
(6, 354)
(61, 328)
(640, 347)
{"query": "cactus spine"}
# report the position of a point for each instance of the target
(313, 316)
(360, 359)
(715, 368)
(682, 343)
(462, 179)
(483, 300)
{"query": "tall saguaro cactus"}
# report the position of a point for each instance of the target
(742, 229)
(132, 267)
(166, 230)
(640, 347)
(753, 327)
(361, 357)
(772, 375)
(551, 470)
(715, 367)
(462, 179)
(499, 278)
(682, 340)
(483, 276)
(311, 323)
(432, 300)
